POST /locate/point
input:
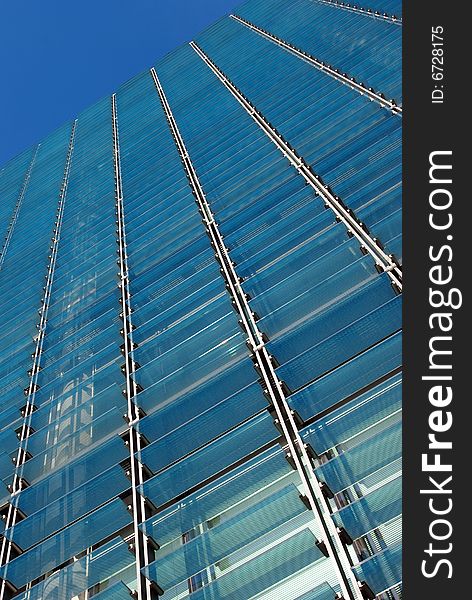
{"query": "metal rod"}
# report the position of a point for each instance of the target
(344, 78)
(292, 437)
(144, 591)
(383, 261)
(368, 12)
(17, 208)
(17, 485)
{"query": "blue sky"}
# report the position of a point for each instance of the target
(60, 56)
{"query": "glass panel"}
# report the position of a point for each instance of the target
(382, 571)
(206, 462)
(118, 591)
(97, 566)
(70, 541)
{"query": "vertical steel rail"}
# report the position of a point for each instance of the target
(144, 591)
(17, 208)
(344, 78)
(368, 12)
(30, 391)
(383, 261)
(273, 386)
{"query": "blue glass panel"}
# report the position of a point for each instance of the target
(371, 455)
(372, 511)
(343, 345)
(353, 417)
(117, 591)
(264, 571)
(222, 540)
(349, 378)
(216, 497)
(71, 476)
(78, 576)
(66, 509)
(382, 571)
(70, 541)
(207, 461)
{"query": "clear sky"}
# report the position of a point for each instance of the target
(59, 56)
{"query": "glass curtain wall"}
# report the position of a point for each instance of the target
(201, 351)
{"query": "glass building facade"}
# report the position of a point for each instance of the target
(201, 345)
